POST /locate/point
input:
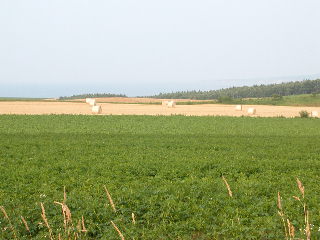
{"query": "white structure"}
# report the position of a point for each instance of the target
(171, 104)
(92, 102)
(96, 109)
(314, 114)
(165, 103)
(238, 107)
(251, 111)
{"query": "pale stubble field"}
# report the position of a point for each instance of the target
(81, 108)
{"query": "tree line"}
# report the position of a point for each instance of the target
(256, 91)
(92, 95)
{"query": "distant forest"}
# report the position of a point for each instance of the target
(92, 95)
(256, 91)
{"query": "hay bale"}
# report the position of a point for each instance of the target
(314, 114)
(165, 103)
(171, 104)
(96, 109)
(92, 102)
(251, 111)
(238, 107)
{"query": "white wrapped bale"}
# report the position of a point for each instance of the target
(88, 100)
(251, 111)
(171, 104)
(165, 103)
(314, 114)
(238, 107)
(92, 102)
(96, 109)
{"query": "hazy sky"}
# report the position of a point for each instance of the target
(50, 48)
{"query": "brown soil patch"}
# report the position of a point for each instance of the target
(21, 107)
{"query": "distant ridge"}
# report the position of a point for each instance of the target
(92, 95)
(255, 91)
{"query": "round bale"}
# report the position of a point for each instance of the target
(96, 109)
(251, 111)
(238, 107)
(171, 104)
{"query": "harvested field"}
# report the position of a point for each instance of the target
(38, 108)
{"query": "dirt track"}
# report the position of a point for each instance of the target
(147, 109)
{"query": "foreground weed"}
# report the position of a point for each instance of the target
(289, 229)
(228, 186)
(118, 231)
(70, 232)
(8, 219)
(110, 199)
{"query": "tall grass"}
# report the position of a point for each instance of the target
(80, 231)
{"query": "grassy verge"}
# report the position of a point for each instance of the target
(5, 99)
(295, 100)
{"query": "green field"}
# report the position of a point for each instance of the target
(312, 100)
(166, 170)
(9, 99)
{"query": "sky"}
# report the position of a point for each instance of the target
(142, 47)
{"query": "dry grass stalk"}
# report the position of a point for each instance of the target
(66, 214)
(25, 224)
(64, 195)
(306, 220)
(290, 229)
(79, 225)
(228, 186)
(117, 229)
(296, 198)
(133, 218)
(4, 213)
(306, 215)
(308, 232)
(7, 217)
(59, 237)
(301, 187)
(281, 214)
(44, 218)
(279, 202)
(83, 226)
(110, 199)
(305, 210)
(284, 223)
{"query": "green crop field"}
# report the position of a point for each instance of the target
(166, 170)
(9, 99)
(312, 100)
